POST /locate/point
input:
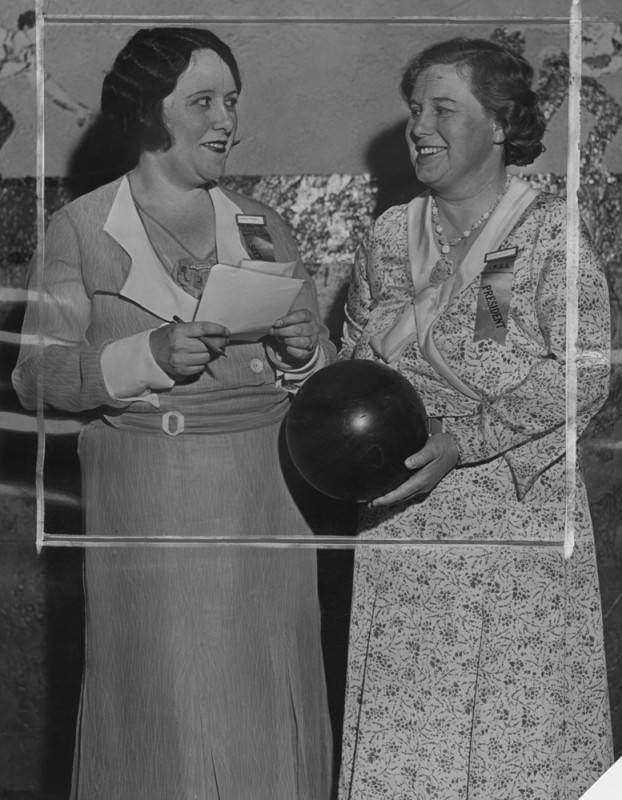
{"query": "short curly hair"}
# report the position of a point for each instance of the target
(500, 80)
(146, 71)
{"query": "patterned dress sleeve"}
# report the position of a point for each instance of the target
(56, 353)
(359, 302)
(527, 423)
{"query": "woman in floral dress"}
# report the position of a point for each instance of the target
(476, 665)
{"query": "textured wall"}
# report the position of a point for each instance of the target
(341, 124)
(318, 98)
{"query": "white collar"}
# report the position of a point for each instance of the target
(420, 313)
(148, 284)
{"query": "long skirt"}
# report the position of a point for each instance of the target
(203, 677)
(476, 668)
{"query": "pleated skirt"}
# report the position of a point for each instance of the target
(203, 674)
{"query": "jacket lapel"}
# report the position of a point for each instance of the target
(147, 284)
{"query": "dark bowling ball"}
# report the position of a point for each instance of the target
(350, 427)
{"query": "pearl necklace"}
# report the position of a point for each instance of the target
(444, 267)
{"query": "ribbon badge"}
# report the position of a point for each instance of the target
(255, 236)
(495, 292)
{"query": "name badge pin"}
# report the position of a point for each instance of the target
(501, 255)
(250, 219)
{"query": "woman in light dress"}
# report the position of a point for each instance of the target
(476, 666)
(203, 671)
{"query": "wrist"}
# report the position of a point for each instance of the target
(436, 425)
(305, 362)
(282, 363)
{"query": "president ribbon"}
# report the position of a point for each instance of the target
(495, 292)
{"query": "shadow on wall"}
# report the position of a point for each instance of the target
(101, 156)
(388, 160)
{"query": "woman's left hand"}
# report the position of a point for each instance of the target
(296, 336)
(439, 455)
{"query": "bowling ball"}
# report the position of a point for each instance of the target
(350, 427)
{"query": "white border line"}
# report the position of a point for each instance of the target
(326, 542)
(180, 19)
(311, 542)
(40, 260)
(573, 223)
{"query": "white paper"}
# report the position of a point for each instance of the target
(246, 301)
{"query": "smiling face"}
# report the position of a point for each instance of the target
(455, 145)
(200, 114)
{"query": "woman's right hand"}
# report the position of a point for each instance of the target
(439, 456)
(183, 349)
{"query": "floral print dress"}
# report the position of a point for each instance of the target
(476, 665)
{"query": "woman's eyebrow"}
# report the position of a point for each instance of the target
(201, 91)
(414, 102)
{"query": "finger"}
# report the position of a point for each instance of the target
(296, 354)
(417, 460)
(186, 372)
(215, 346)
(300, 329)
(307, 335)
(194, 345)
(300, 315)
(407, 491)
(184, 361)
(181, 341)
(433, 449)
(420, 483)
(393, 498)
(214, 329)
(304, 343)
(195, 330)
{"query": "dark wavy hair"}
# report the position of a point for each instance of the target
(500, 80)
(146, 71)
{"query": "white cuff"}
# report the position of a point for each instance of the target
(130, 371)
(293, 378)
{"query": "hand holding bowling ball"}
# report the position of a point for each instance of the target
(350, 428)
(438, 456)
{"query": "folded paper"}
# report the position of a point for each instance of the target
(246, 301)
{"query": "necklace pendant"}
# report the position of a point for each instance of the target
(192, 274)
(441, 271)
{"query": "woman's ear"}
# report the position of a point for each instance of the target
(498, 132)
